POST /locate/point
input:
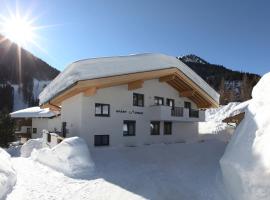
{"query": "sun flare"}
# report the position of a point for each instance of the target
(18, 30)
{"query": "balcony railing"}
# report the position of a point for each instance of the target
(177, 112)
(194, 113)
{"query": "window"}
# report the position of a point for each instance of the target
(129, 128)
(102, 140)
(167, 128)
(34, 130)
(170, 102)
(102, 110)
(155, 127)
(159, 101)
(138, 99)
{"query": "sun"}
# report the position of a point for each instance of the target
(19, 30)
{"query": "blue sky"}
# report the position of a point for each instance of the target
(232, 33)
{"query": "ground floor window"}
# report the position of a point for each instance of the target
(34, 130)
(167, 128)
(155, 127)
(102, 140)
(129, 128)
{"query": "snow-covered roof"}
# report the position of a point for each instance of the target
(119, 65)
(33, 112)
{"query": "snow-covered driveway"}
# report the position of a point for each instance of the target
(174, 171)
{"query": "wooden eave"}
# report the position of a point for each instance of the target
(173, 76)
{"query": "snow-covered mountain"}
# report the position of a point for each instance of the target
(193, 59)
(21, 79)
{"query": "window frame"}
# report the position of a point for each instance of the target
(128, 123)
(34, 130)
(151, 130)
(100, 142)
(101, 107)
(166, 129)
(159, 98)
(136, 103)
(167, 102)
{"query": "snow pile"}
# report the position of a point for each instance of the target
(7, 174)
(70, 157)
(29, 146)
(218, 114)
(245, 164)
(33, 112)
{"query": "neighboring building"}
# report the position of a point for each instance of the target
(237, 114)
(31, 121)
(130, 100)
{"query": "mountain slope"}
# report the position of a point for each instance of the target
(232, 85)
(22, 76)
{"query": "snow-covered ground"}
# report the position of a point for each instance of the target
(173, 171)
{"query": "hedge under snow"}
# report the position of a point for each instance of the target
(71, 157)
(7, 174)
(29, 146)
(245, 164)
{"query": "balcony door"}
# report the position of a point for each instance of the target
(188, 106)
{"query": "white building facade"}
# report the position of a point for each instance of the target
(111, 111)
(130, 100)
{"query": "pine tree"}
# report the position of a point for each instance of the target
(6, 129)
(246, 88)
(222, 91)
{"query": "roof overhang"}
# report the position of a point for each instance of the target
(173, 76)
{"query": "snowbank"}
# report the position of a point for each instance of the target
(70, 157)
(7, 174)
(29, 146)
(245, 164)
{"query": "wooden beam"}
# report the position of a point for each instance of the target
(188, 93)
(51, 107)
(167, 78)
(90, 91)
(135, 85)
